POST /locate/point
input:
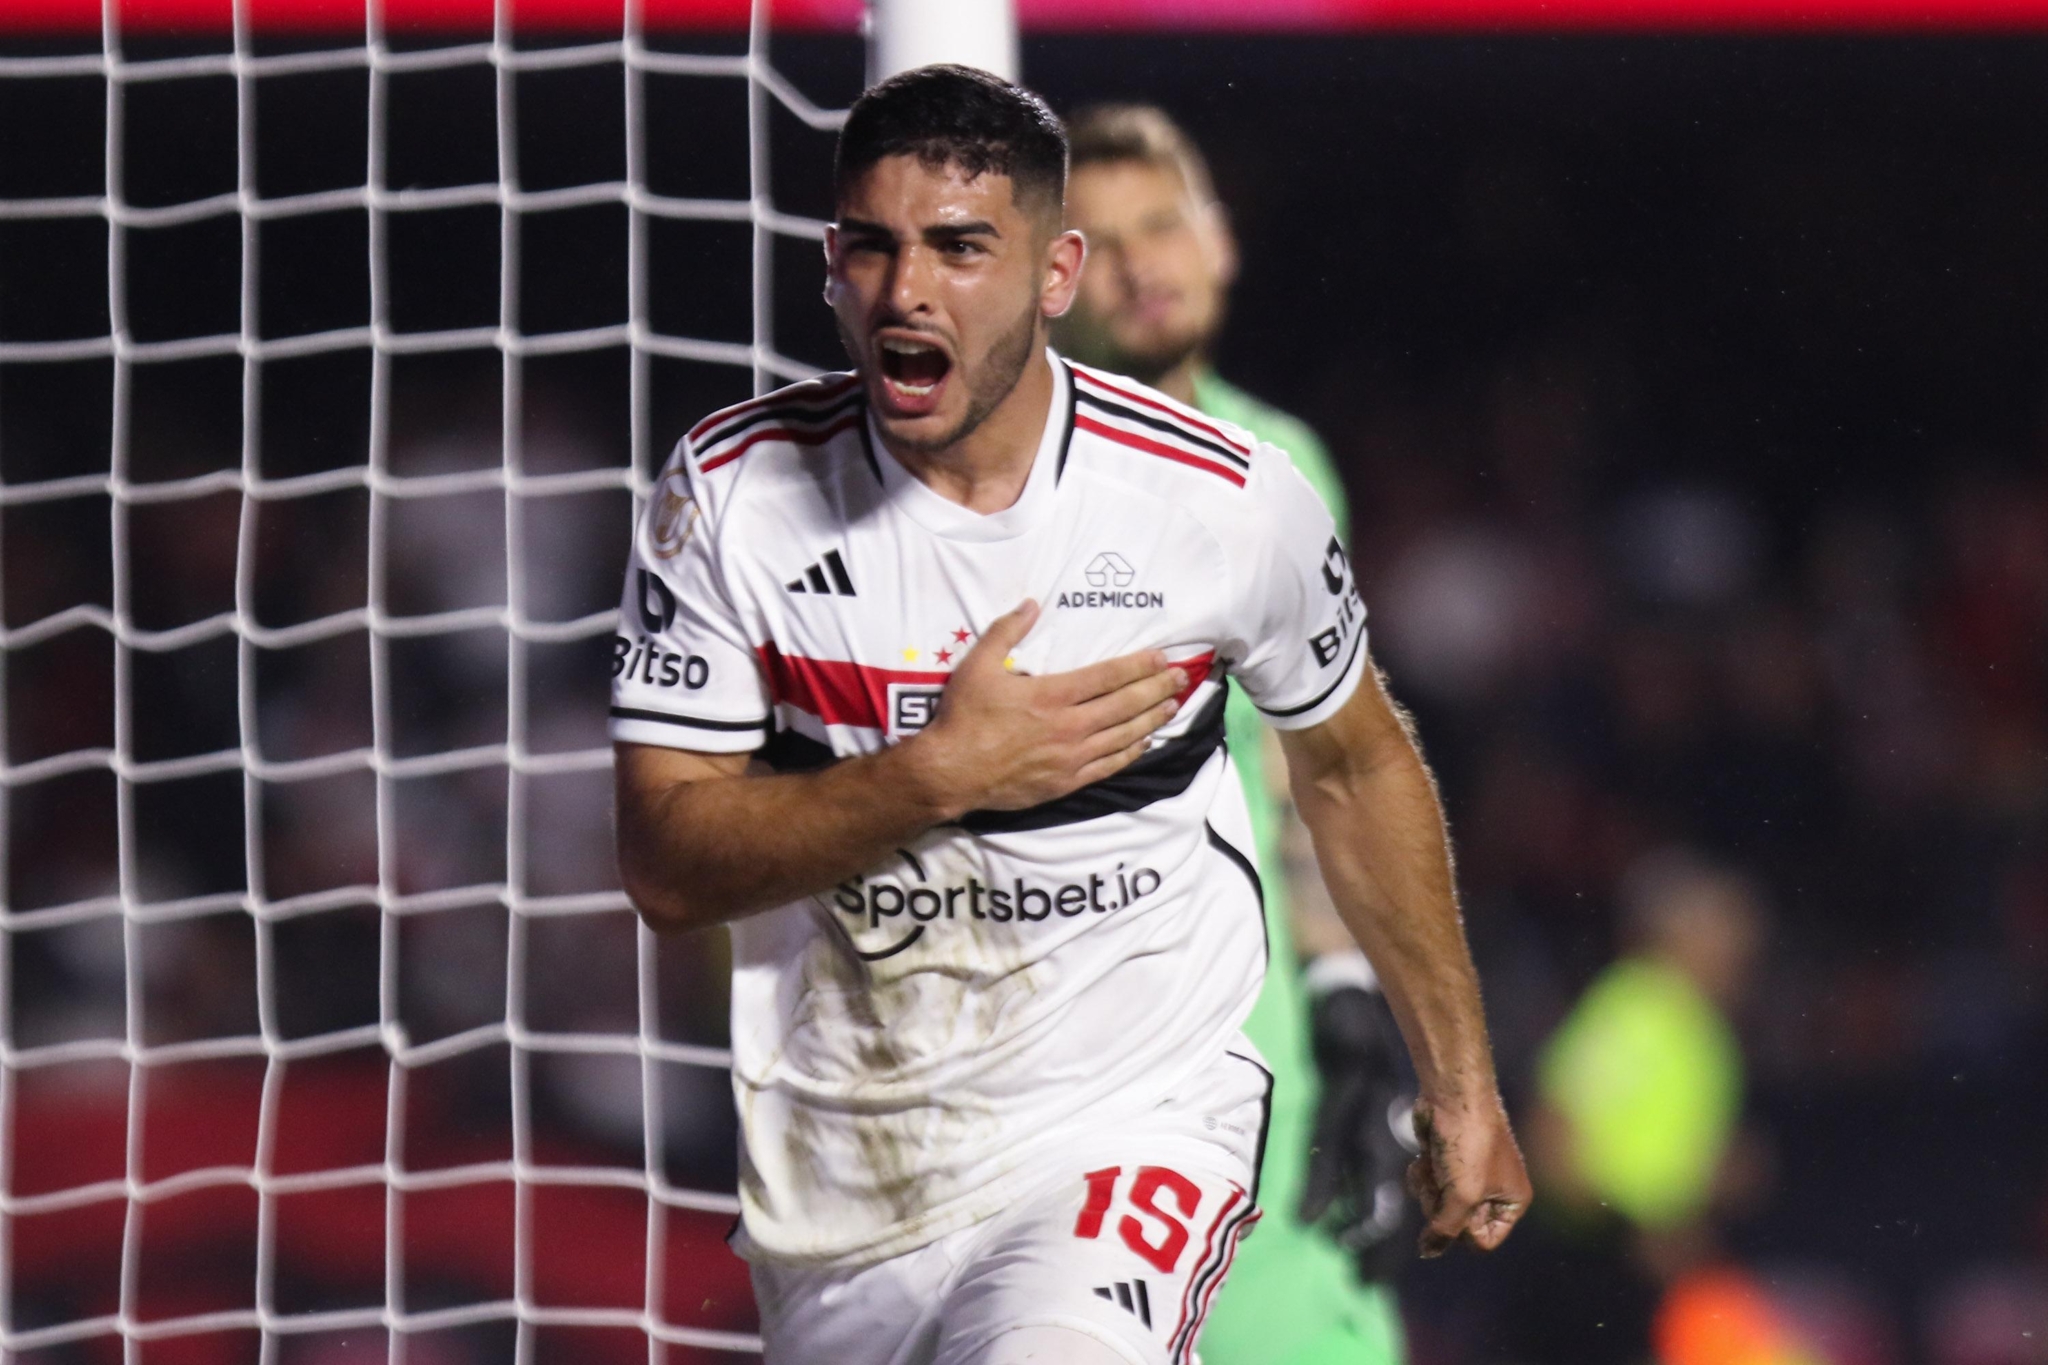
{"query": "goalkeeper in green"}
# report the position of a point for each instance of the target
(1310, 1288)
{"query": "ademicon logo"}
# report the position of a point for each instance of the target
(870, 901)
(1109, 577)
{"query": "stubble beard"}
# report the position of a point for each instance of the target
(997, 378)
(1096, 344)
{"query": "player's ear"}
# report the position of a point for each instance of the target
(1221, 241)
(1064, 256)
(831, 265)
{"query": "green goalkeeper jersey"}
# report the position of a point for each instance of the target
(1293, 1298)
(1279, 1021)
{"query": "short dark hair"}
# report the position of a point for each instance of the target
(957, 116)
(1108, 133)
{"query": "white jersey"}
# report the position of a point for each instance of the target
(907, 1043)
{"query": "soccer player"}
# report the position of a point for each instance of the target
(1152, 300)
(921, 689)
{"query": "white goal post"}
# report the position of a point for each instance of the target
(137, 1046)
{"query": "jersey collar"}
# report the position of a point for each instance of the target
(944, 517)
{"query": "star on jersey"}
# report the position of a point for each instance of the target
(944, 654)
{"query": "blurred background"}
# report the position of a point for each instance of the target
(1692, 395)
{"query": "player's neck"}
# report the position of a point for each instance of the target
(1178, 383)
(986, 470)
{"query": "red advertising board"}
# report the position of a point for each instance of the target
(1762, 16)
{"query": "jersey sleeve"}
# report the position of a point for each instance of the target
(1301, 650)
(685, 674)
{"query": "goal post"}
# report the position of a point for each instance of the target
(903, 34)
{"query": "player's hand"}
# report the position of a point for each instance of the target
(1469, 1178)
(1005, 741)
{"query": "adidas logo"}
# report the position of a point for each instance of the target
(1121, 1294)
(814, 578)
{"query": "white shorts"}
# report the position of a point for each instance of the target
(1126, 1239)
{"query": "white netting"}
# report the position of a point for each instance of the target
(150, 1084)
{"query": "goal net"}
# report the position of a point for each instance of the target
(332, 370)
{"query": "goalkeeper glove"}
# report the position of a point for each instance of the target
(1364, 1137)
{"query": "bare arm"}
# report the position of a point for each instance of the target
(1371, 807)
(1311, 914)
(702, 841)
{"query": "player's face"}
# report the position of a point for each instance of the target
(941, 284)
(1159, 265)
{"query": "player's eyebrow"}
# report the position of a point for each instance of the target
(953, 232)
(936, 232)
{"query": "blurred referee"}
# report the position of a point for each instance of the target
(1309, 1289)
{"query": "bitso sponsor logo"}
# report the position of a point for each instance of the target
(869, 903)
(671, 515)
(1328, 645)
(1109, 576)
(645, 661)
(657, 604)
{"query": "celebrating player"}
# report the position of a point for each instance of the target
(974, 612)
(1311, 1286)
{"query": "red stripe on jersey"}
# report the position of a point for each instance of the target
(1208, 1250)
(723, 415)
(797, 438)
(836, 691)
(1152, 447)
(1197, 670)
(1177, 413)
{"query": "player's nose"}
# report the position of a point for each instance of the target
(911, 283)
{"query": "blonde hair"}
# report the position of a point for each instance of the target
(1106, 133)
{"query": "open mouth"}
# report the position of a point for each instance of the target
(912, 370)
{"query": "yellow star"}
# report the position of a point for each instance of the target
(1010, 662)
(910, 656)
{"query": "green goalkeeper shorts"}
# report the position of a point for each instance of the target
(1293, 1298)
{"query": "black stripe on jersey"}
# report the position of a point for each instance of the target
(693, 722)
(1324, 695)
(1173, 429)
(1067, 436)
(1181, 1349)
(795, 411)
(1163, 772)
(1244, 865)
(1265, 1120)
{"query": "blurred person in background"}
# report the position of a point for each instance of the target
(1640, 1095)
(1316, 1285)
